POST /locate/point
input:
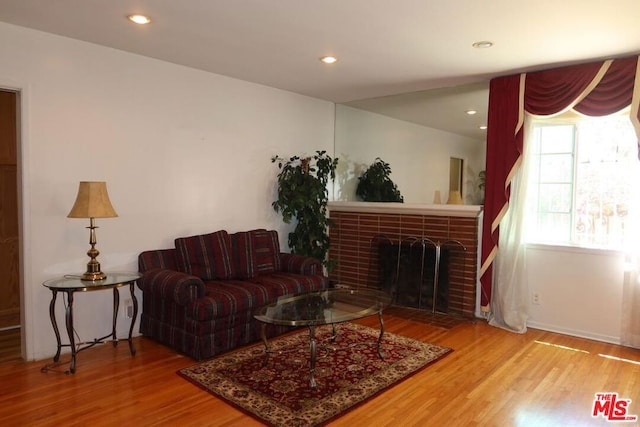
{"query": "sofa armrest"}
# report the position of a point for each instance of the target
(300, 264)
(179, 287)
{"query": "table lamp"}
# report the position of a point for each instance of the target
(455, 198)
(92, 202)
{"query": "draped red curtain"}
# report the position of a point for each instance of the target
(594, 89)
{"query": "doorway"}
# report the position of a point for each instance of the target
(10, 327)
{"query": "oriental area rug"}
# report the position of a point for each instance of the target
(348, 371)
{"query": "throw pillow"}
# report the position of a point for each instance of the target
(244, 256)
(207, 256)
(267, 250)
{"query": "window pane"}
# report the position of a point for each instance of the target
(556, 139)
(556, 168)
(555, 198)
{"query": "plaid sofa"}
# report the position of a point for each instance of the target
(199, 297)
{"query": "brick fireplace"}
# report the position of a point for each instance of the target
(368, 238)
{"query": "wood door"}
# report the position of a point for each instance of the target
(9, 247)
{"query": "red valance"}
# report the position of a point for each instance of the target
(594, 89)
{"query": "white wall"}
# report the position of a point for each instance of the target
(183, 152)
(419, 156)
(580, 291)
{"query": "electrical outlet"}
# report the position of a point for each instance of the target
(128, 308)
(535, 298)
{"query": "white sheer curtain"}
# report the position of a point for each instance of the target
(630, 330)
(630, 327)
(510, 294)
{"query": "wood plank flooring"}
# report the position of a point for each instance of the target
(493, 378)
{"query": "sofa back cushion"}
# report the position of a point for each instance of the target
(244, 255)
(267, 250)
(207, 256)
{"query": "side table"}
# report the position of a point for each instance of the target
(72, 284)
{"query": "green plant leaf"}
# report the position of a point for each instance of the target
(303, 195)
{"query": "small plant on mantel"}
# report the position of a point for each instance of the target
(303, 196)
(375, 185)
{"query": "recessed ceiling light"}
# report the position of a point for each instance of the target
(139, 19)
(482, 44)
(329, 59)
(483, 127)
(471, 112)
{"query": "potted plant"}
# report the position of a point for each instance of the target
(375, 185)
(303, 196)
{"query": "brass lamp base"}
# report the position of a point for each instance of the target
(93, 272)
(93, 276)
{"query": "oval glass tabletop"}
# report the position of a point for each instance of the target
(327, 306)
(74, 283)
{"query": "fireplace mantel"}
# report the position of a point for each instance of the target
(463, 211)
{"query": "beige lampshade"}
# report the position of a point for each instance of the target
(92, 201)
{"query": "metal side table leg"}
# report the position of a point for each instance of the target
(69, 323)
(132, 349)
(52, 315)
(116, 305)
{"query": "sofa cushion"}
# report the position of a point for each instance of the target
(207, 256)
(267, 250)
(232, 297)
(243, 254)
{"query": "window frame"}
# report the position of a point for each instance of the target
(533, 203)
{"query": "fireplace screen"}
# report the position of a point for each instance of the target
(417, 272)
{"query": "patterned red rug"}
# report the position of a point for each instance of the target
(348, 372)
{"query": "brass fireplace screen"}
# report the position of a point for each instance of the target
(421, 273)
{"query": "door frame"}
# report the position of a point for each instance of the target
(24, 218)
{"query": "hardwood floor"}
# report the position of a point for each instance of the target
(493, 378)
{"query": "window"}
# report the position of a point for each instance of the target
(584, 181)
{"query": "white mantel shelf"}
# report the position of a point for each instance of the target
(465, 211)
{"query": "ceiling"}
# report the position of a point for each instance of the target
(384, 47)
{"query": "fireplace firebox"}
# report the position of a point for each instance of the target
(415, 271)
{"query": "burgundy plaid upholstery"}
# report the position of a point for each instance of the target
(161, 258)
(172, 285)
(300, 264)
(202, 318)
(207, 256)
(243, 255)
(267, 249)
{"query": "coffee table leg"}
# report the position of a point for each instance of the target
(263, 335)
(380, 354)
(312, 345)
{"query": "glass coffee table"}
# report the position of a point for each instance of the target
(325, 307)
